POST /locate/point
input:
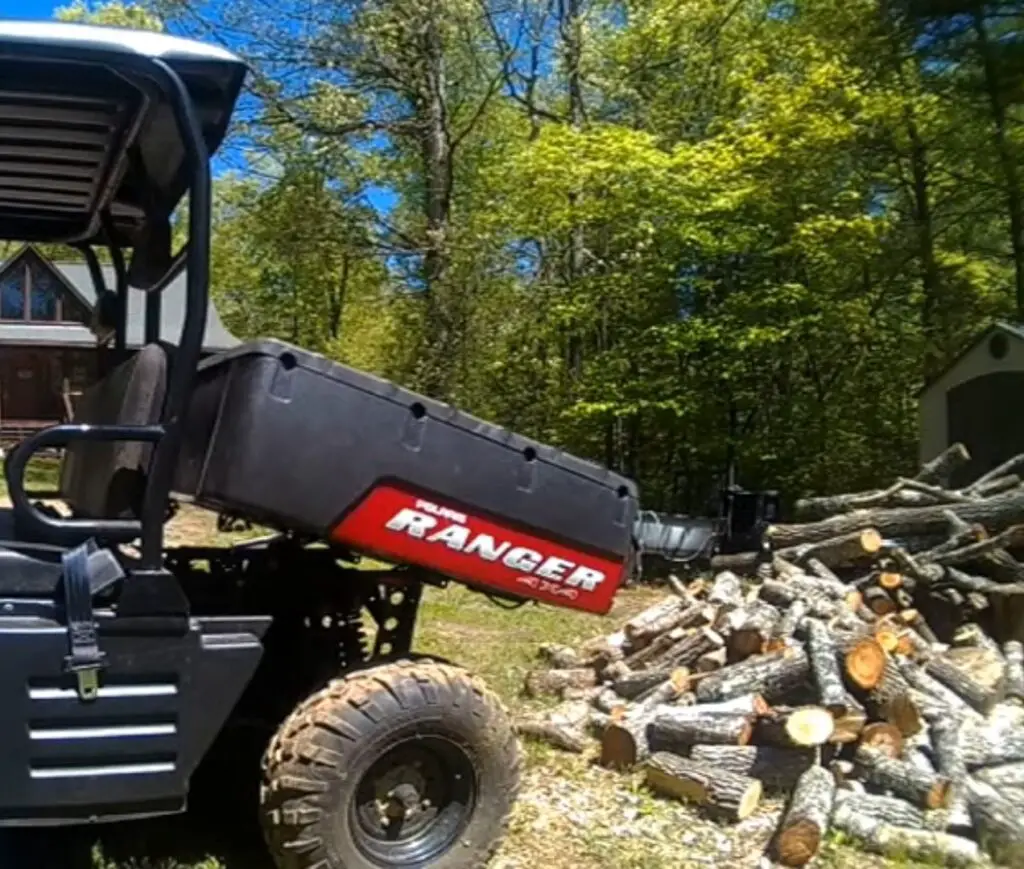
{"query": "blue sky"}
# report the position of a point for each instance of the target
(28, 8)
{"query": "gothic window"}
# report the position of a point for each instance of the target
(31, 291)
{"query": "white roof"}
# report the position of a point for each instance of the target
(141, 42)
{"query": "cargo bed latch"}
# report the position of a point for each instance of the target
(84, 657)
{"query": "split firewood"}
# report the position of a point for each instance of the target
(998, 822)
(778, 768)
(888, 810)
(824, 658)
(806, 819)
(553, 682)
(802, 727)
(713, 660)
(727, 591)
(883, 737)
(848, 726)
(1013, 650)
(905, 843)
(673, 731)
(785, 627)
(903, 779)
(773, 675)
(723, 793)
(751, 634)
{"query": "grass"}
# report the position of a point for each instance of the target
(571, 813)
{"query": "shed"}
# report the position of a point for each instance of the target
(978, 400)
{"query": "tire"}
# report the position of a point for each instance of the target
(409, 764)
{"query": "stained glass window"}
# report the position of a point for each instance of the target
(12, 295)
(46, 293)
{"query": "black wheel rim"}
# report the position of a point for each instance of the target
(414, 802)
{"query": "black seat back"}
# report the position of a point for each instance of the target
(106, 479)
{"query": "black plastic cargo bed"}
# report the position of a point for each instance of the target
(293, 440)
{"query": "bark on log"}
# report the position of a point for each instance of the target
(791, 620)
(625, 741)
(807, 818)
(643, 657)
(963, 684)
(750, 636)
(774, 676)
(996, 514)
(998, 822)
(685, 617)
(996, 486)
(879, 601)
(824, 658)
(1007, 467)
(778, 768)
(723, 793)
(934, 689)
(1013, 650)
(665, 608)
(1006, 775)
(552, 682)
(903, 779)
(558, 735)
(727, 590)
(906, 843)
(949, 761)
(991, 744)
(636, 683)
(673, 732)
(804, 726)
(608, 701)
(841, 551)
(666, 691)
(938, 469)
(559, 657)
(686, 652)
(1008, 539)
(913, 618)
(890, 700)
(711, 661)
(750, 705)
(888, 810)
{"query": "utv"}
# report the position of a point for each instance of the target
(123, 658)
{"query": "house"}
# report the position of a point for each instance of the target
(47, 349)
(977, 401)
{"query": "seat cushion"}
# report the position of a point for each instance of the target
(106, 479)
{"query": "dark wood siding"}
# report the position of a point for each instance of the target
(985, 415)
(32, 380)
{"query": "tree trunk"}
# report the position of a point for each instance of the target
(726, 794)
(806, 820)
(778, 768)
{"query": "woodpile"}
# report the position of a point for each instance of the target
(866, 665)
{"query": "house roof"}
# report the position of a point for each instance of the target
(76, 276)
(1013, 330)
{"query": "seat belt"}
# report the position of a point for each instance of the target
(84, 656)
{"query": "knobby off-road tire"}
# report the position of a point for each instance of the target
(409, 764)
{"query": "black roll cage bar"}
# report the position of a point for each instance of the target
(166, 435)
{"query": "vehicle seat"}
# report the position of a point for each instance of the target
(106, 479)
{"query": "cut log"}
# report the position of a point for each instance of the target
(751, 635)
(903, 779)
(888, 810)
(890, 580)
(606, 648)
(686, 652)
(913, 618)
(938, 470)
(775, 676)
(625, 741)
(962, 683)
(713, 660)
(667, 608)
(824, 658)
(905, 843)
(816, 568)
(666, 691)
(879, 601)
(997, 486)
(1007, 775)
(1007, 467)
(996, 514)
(801, 727)
(949, 761)
(991, 743)
(864, 661)
(778, 768)
(559, 657)
(1013, 651)
(558, 735)
(998, 822)
(806, 819)
(934, 689)
(750, 705)
(674, 732)
(884, 737)
(727, 591)
(889, 700)
(685, 617)
(552, 682)
(843, 550)
(608, 701)
(643, 657)
(633, 684)
(849, 725)
(723, 793)
(784, 629)
(1007, 539)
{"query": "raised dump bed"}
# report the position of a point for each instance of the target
(293, 440)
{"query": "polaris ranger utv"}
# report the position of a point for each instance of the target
(123, 658)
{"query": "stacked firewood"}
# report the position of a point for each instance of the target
(866, 665)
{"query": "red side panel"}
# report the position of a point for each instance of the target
(402, 527)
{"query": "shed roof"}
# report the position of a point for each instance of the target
(76, 276)
(1012, 330)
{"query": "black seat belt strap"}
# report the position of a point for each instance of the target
(84, 656)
